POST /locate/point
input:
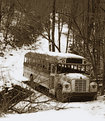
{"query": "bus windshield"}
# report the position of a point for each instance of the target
(72, 68)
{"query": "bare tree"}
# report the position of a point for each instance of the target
(0, 13)
(53, 25)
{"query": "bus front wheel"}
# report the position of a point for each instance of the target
(94, 97)
(59, 95)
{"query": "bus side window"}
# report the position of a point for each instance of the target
(72, 66)
(59, 68)
(53, 68)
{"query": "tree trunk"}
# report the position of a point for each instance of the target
(53, 26)
(50, 44)
(60, 27)
(0, 14)
(59, 33)
(68, 35)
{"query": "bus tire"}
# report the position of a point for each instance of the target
(95, 97)
(59, 92)
(59, 95)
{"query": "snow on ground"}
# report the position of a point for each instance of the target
(74, 114)
(74, 111)
(11, 68)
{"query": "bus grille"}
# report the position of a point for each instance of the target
(80, 86)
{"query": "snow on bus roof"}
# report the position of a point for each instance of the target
(65, 55)
(56, 54)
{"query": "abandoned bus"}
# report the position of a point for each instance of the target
(65, 75)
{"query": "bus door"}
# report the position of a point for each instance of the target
(52, 76)
(51, 82)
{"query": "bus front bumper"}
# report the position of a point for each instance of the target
(81, 96)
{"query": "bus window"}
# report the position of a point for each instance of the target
(83, 68)
(53, 68)
(59, 68)
(74, 60)
(75, 67)
(72, 67)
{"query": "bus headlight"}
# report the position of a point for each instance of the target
(66, 88)
(93, 87)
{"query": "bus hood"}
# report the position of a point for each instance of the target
(73, 76)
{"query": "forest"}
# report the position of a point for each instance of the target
(22, 21)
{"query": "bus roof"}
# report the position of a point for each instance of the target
(55, 54)
(65, 55)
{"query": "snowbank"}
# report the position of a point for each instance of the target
(52, 115)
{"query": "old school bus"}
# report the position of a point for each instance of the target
(65, 75)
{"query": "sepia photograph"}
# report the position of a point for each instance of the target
(52, 60)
